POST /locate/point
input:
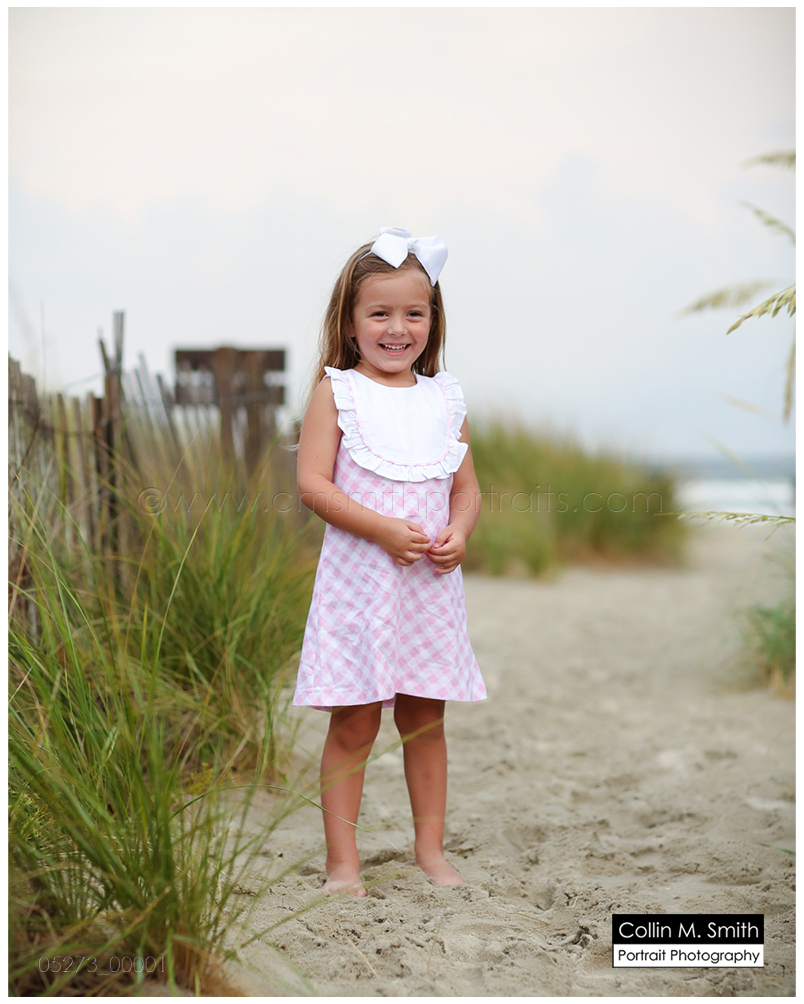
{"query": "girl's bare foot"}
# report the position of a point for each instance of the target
(439, 870)
(345, 879)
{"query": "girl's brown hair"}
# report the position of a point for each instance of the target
(337, 348)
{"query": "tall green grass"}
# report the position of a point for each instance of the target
(775, 632)
(548, 501)
(146, 685)
(238, 573)
(771, 629)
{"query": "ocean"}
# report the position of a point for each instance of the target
(765, 485)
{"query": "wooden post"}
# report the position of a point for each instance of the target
(238, 379)
(117, 438)
(46, 454)
(167, 405)
(98, 423)
(109, 405)
(91, 450)
(14, 409)
(224, 365)
(17, 558)
(66, 476)
(86, 512)
(255, 409)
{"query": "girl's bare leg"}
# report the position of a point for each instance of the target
(351, 735)
(420, 721)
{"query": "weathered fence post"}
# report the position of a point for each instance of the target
(255, 409)
(66, 476)
(71, 461)
(224, 366)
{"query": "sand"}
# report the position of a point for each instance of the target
(620, 765)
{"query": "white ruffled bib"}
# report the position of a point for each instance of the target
(401, 433)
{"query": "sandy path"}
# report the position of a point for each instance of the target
(616, 767)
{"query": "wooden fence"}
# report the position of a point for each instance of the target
(71, 458)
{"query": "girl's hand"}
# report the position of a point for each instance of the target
(404, 541)
(448, 549)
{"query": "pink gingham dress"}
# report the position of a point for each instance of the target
(376, 628)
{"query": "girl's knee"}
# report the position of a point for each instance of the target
(355, 727)
(419, 716)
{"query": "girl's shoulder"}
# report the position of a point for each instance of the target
(321, 410)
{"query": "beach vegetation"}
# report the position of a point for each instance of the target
(774, 631)
(770, 626)
(740, 294)
(143, 687)
(548, 501)
(770, 629)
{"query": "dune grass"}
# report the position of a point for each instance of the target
(547, 501)
(775, 632)
(238, 573)
(771, 628)
(147, 684)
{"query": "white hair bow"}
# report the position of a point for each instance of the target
(394, 244)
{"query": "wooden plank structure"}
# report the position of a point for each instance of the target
(231, 379)
(65, 457)
(77, 460)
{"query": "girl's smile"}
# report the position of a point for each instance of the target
(391, 324)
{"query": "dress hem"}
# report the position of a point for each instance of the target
(387, 702)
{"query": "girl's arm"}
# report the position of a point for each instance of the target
(465, 499)
(320, 437)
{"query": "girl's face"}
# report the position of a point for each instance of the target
(390, 323)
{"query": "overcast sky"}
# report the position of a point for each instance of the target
(208, 170)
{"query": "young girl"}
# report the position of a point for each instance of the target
(384, 459)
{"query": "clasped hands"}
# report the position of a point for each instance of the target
(406, 542)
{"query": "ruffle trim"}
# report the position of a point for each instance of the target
(455, 404)
(363, 455)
